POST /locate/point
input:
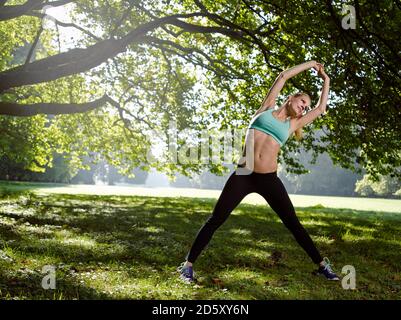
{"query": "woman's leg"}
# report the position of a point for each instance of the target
(235, 189)
(274, 192)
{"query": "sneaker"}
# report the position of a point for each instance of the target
(186, 273)
(326, 270)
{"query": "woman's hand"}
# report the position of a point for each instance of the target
(317, 66)
(320, 71)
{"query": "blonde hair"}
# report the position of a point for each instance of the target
(298, 134)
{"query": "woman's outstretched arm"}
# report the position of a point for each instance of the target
(320, 106)
(322, 103)
(289, 73)
(270, 99)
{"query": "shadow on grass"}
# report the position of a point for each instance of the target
(27, 284)
(21, 186)
(152, 233)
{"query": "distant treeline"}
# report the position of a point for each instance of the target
(324, 178)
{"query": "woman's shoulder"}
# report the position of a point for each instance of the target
(264, 109)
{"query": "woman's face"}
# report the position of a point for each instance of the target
(299, 105)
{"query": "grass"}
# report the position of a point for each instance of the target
(357, 203)
(115, 247)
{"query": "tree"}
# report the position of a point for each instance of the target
(140, 66)
(386, 186)
(324, 178)
(58, 171)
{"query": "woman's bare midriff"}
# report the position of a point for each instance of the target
(266, 150)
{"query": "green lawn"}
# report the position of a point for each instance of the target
(121, 247)
(299, 200)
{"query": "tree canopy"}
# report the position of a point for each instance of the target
(133, 66)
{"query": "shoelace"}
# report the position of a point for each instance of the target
(181, 266)
(327, 265)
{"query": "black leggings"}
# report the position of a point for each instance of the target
(270, 187)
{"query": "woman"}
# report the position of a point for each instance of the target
(268, 131)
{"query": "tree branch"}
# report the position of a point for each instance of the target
(190, 59)
(383, 40)
(58, 3)
(10, 12)
(35, 42)
(191, 50)
(77, 60)
(80, 60)
(64, 24)
(122, 109)
(242, 31)
(353, 35)
(27, 110)
(119, 23)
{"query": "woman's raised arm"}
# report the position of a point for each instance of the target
(322, 103)
(320, 106)
(270, 99)
(289, 73)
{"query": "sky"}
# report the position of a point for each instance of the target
(69, 36)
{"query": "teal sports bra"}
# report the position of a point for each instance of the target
(267, 123)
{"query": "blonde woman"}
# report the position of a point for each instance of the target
(269, 129)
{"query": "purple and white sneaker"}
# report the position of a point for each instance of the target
(186, 273)
(326, 271)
